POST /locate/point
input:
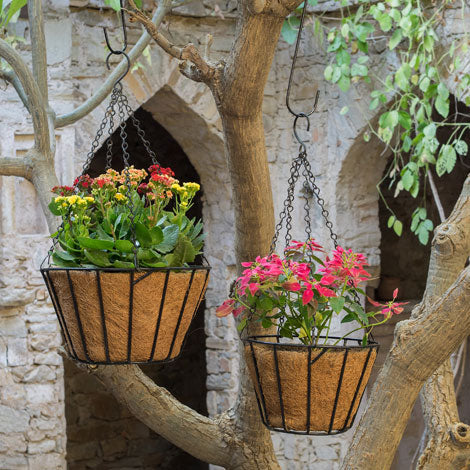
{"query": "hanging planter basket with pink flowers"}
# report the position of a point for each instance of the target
(307, 380)
(120, 272)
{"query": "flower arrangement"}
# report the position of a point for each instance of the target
(102, 215)
(301, 293)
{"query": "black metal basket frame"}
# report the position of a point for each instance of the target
(148, 271)
(259, 339)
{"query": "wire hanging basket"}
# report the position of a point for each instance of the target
(111, 315)
(307, 389)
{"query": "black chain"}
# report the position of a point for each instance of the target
(301, 166)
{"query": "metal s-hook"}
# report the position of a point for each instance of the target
(303, 148)
(291, 75)
(121, 51)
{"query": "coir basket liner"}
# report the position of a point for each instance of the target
(307, 389)
(124, 316)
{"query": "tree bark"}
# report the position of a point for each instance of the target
(420, 346)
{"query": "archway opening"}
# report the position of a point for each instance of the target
(100, 432)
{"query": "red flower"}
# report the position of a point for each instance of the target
(63, 190)
(161, 171)
(83, 182)
(389, 308)
(225, 309)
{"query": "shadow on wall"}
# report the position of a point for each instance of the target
(100, 432)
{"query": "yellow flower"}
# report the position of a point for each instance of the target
(89, 199)
(59, 199)
(176, 187)
(192, 186)
(64, 204)
(72, 199)
(184, 204)
(120, 197)
(81, 202)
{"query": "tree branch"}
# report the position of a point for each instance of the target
(201, 70)
(15, 167)
(36, 102)
(10, 76)
(100, 95)
(38, 46)
(157, 408)
(420, 346)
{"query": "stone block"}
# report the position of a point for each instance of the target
(114, 447)
(17, 351)
(40, 374)
(51, 461)
(40, 393)
(326, 452)
(13, 420)
(13, 326)
(17, 462)
(42, 447)
(51, 358)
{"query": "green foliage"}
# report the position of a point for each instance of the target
(10, 11)
(413, 99)
(97, 224)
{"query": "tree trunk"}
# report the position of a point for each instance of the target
(413, 357)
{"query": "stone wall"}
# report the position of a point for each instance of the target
(32, 431)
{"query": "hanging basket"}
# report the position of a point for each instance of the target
(124, 316)
(308, 389)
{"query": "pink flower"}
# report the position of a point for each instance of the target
(307, 296)
(238, 310)
(253, 287)
(293, 286)
(391, 307)
(226, 308)
(324, 291)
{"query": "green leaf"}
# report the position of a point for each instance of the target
(328, 73)
(430, 130)
(447, 159)
(398, 227)
(424, 84)
(359, 70)
(123, 264)
(442, 106)
(143, 235)
(14, 7)
(157, 235)
(266, 304)
(337, 303)
(343, 57)
(183, 253)
(170, 237)
(289, 34)
(428, 224)
(344, 110)
(124, 246)
(54, 208)
(391, 221)
(98, 258)
(102, 235)
(114, 4)
(397, 36)
(385, 22)
(348, 318)
(58, 261)
(344, 83)
(461, 147)
(95, 244)
(404, 119)
(423, 236)
(63, 255)
(407, 179)
(442, 91)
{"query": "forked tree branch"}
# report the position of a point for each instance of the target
(104, 90)
(201, 71)
(36, 102)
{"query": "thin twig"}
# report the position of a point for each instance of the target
(437, 199)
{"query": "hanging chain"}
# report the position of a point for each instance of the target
(301, 161)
